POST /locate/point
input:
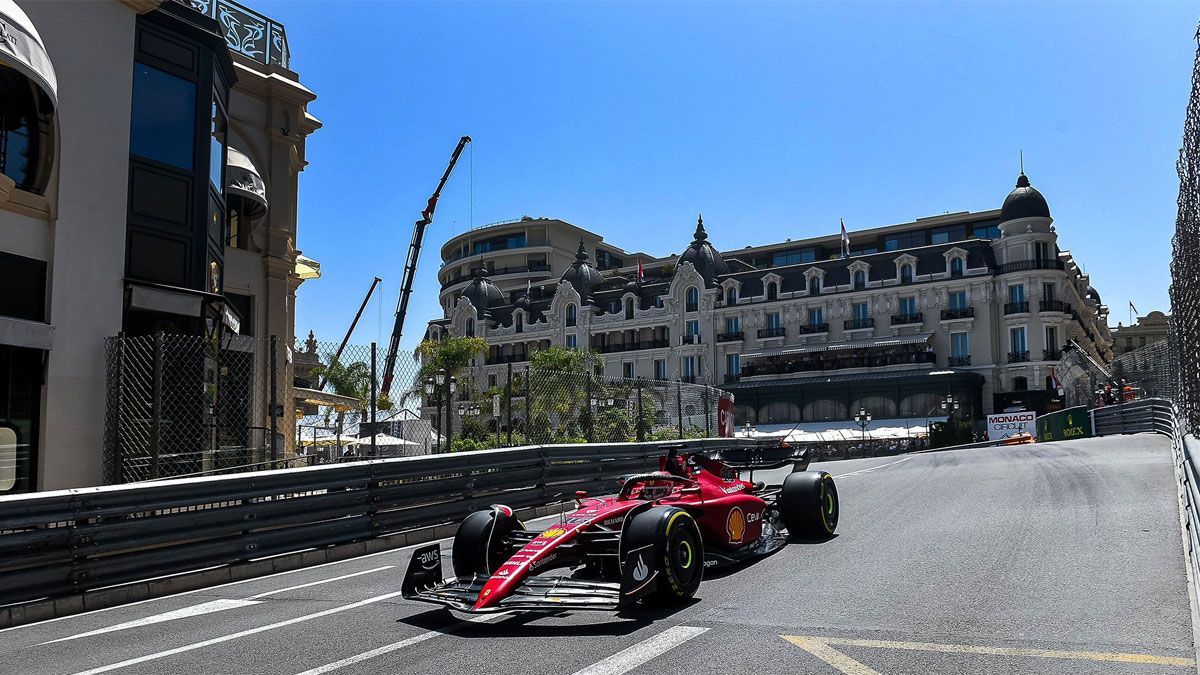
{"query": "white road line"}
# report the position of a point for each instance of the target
(873, 468)
(240, 634)
(185, 613)
(397, 646)
(628, 659)
(318, 583)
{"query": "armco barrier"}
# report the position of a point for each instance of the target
(61, 543)
(1064, 424)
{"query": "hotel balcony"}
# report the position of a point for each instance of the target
(956, 361)
(1018, 357)
(247, 32)
(810, 328)
(959, 313)
(777, 332)
(858, 324)
(902, 319)
(1016, 307)
(731, 337)
(615, 347)
(1051, 355)
(1026, 265)
(1054, 306)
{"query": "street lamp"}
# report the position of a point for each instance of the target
(863, 418)
(748, 431)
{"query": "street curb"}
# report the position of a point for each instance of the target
(12, 616)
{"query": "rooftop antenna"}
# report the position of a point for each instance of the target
(1022, 156)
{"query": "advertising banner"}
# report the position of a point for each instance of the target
(1064, 424)
(1004, 425)
(725, 417)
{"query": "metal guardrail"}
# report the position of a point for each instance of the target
(1160, 416)
(61, 543)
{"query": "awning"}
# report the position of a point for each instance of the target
(21, 49)
(317, 397)
(242, 179)
(915, 339)
(167, 302)
(307, 268)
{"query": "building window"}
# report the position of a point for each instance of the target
(772, 291)
(908, 306)
(861, 311)
(1042, 250)
(1016, 293)
(947, 234)
(732, 324)
(906, 274)
(958, 300)
(1048, 292)
(689, 367)
(471, 327)
(571, 341)
(814, 285)
(731, 296)
(520, 323)
(860, 280)
(960, 345)
(693, 299)
(986, 230)
(1052, 338)
(794, 256)
(956, 267)
(692, 328)
(21, 153)
(733, 364)
(1020, 384)
(572, 315)
(816, 315)
(660, 369)
(627, 370)
(20, 397)
(628, 308)
(904, 240)
(163, 126)
(1016, 339)
(773, 321)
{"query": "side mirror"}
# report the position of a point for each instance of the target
(580, 495)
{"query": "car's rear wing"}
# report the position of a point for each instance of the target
(745, 455)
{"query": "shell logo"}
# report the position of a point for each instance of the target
(554, 532)
(735, 525)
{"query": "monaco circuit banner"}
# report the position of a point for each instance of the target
(1004, 425)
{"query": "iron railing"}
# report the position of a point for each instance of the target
(958, 313)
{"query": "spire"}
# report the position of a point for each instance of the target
(581, 255)
(700, 235)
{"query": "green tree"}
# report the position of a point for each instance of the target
(352, 381)
(561, 379)
(452, 355)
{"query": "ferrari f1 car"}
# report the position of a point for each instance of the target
(651, 543)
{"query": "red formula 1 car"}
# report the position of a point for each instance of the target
(652, 541)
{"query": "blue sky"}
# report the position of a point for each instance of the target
(773, 119)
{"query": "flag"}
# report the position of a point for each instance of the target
(529, 288)
(1132, 307)
(845, 241)
(641, 272)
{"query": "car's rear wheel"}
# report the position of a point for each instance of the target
(481, 543)
(676, 544)
(808, 504)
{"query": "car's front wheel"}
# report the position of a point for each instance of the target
(808, 504)
(675, 542)
(480, 545)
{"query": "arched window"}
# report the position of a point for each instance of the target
(520, 323)
(814, 286)
(860, 280)
(906, 274)
(628, 308)
(693, 299)
(772, 291)
(572, 315)
(731, 296)
(471, 327)
(21, 138)
(1020, 384)
(956, 267)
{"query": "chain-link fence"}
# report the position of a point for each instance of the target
(1151, 370)
(1185, 263)
(1079, 376)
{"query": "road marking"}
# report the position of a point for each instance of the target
(186, 612)
(820, 648)
(396, 646)
(1113, 657)
(240, 634)
(873, 468)
(319, 582)
(632, 657)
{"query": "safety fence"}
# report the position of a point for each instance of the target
(70, 541)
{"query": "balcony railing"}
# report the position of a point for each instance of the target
(901, 319)
(856, 324)
(1051, 355)
(826, 361)
(246, 31)
(690, 379)
(512, 269)
(736, 336)
(1026, 265)
(506, 358)
(776, 332)
(691, 339)
(955, 361)
(1016, 307)
(1054, 306)
(732, 377)
(616, 347)
(1018, 357)
(810, 328)
(958, 313)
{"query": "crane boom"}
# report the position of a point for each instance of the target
(410, 268)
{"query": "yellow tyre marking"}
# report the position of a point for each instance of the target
(1113, 657)
(821, 649)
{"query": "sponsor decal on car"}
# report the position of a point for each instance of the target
(735, 525)
(578, 520)
(640, 570)
(753, 517)
(613, 521)
(730, 489)
(554, 532)
(710, 563)
(430, 559)
(544, 561)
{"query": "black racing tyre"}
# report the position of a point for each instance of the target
(479, 544)
(808, 504)
(677, 546)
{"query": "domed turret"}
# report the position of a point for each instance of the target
(483, 294)
(582, 276)
(1024, 202)
(704, 256)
